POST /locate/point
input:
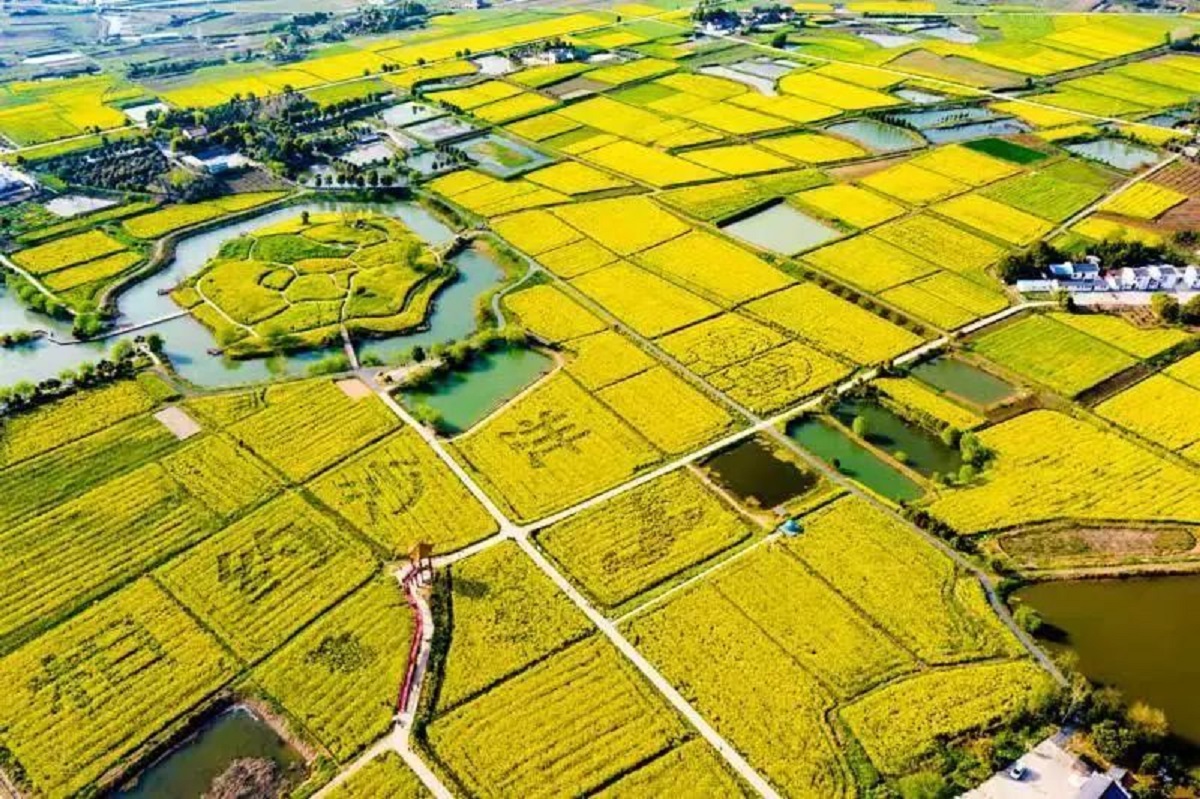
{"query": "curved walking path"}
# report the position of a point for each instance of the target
(397, 738)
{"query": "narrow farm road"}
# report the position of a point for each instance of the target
(664, 687)
(8, 263)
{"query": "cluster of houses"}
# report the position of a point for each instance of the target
(1088, 276)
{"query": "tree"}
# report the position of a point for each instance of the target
(155, 343)
(966, 473)
(418, 353)
(1112, 740)
(1189, 314)
(1165, 307)
(860, 426)
(1028, 619)
(779, 40)
(1149, 723)
(304, 217)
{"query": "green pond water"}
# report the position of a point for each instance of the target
(1140, 635)
(893, 433)
(463, 398)
(751, 470)
(963, 380)
(854, 460)
(187, 771)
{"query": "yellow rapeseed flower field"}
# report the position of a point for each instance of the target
(550, 314)
(1024, 485)
(552, 447)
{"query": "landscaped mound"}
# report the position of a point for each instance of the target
(295, 284)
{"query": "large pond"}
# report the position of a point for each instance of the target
(464, 398)
(878, 136)
(188, 342)
(188, 771)
(1140, 635)
(961, 379)
(756, 475)
(923, 450)
(781, 229)
(1116, 153)
(835, 447)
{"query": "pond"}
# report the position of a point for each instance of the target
(466, 397)
(919, 96)
(410, 113)
(950, 33)
(891, 432)
(1141, 635)
(1116, 153)
(835, 447)
(188, 342)
(188, 771)
(878, 136)
(976, 130)
(939, 117)
(763, 85)
(781, 229)
(961, 379)
(502, 156)
(757, 476)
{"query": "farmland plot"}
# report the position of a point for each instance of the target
(714, 267)
(1158, 409)
(693, 764)
(399, 493)
(507, 616)
(331, 425)
(385, 777)
(778, 377)
(913, 591)
(670, 413)
(1052, 353)
(1025, 485)
(566, 725)
(263, 577)
(550, 314)
(702, 644)
(643, 537)
(339, 677)
(71, 418)
(87, 694)
(901, 722)
(554, 446)
(834, 324)
(606, 358)
(647, 303)
(720, 342)
(117, 529)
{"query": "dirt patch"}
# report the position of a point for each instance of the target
(1181, 176)
(178, 422)
(354, 388)
(1053, 548)
(575, 87)
(862, 169)
(957, 69)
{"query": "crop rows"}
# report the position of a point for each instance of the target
(637, 540)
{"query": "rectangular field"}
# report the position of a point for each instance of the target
(84, 696)
(643, 537)
(263, 577)
(554, 446)
(400, 493)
